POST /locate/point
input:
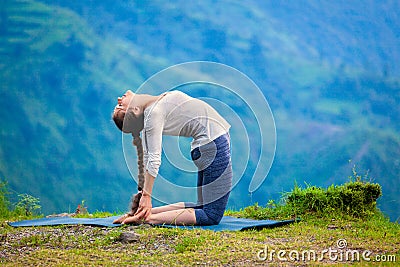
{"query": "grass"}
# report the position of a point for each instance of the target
(369, 232)
(176, 247)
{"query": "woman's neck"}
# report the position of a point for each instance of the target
(148, 100)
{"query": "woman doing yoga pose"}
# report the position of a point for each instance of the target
(175, 113)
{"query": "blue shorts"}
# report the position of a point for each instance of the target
(214, 180)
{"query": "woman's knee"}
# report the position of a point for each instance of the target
(207, 217)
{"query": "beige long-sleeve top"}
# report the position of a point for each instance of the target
(178, 114)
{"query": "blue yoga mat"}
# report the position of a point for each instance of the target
(227, 223)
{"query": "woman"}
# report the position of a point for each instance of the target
(175, 113)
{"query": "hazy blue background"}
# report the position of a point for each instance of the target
(329, 70)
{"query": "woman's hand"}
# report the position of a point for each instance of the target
(143, 212)
(121, 219)
(145, 206)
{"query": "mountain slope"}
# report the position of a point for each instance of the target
(329, 72)
(57, 97)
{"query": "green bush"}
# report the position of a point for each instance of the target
(356, 199)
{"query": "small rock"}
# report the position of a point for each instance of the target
(128, 237)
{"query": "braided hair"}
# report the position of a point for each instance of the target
(118, 118)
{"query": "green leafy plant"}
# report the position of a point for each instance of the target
(4, 203)
(82, 209)
(27, 205)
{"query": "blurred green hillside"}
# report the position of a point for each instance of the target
(329, 72)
